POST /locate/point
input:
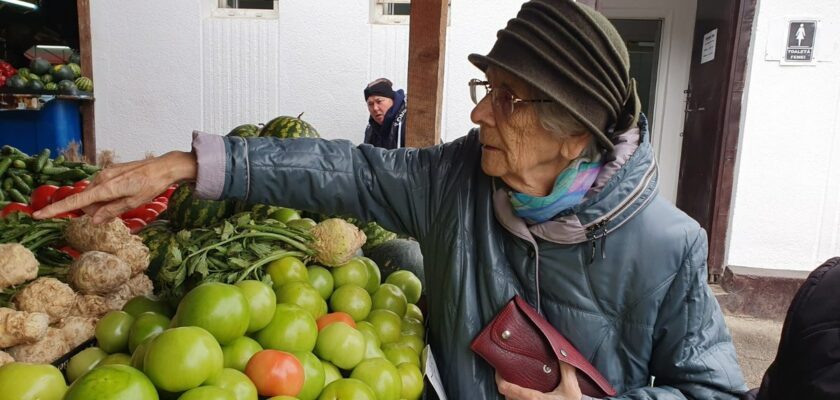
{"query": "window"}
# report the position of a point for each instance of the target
(394, 12)
(246, 8)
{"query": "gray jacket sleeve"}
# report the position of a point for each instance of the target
(693, 355)
(400, 189)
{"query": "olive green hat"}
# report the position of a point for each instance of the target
(576, 57)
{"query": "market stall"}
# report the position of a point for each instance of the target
(199, 299)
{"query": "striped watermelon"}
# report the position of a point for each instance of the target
(286, 127)
(84, 83)
(246, 131)
(77, 70)
(185, 211)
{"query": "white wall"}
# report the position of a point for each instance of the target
(164, 68)
(787, 198)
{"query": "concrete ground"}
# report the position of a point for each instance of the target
(756, 341)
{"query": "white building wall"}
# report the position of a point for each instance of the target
(163, 69)
(786, 211)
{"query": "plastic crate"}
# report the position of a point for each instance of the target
(52, 127)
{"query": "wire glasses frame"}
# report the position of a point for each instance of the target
(502, 98)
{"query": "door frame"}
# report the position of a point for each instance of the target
(86, 56)
(672, 79)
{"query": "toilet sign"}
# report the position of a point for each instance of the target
(800, 42)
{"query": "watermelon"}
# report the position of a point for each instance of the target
(35, 85)
(156, 236)
(51, 86)
(75, 59)
(376, 235)
(286, 127)
(62, 72)
(39, 66)
(77, 70)
(34, 77)
(68, 87)
(246, 131)
(16, 82)
(24, 72)
(84, 83)
(185, 211)
(46, 78)
(398, 254)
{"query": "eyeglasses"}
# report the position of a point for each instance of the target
(502, 98)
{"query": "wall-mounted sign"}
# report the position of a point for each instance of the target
(709, 46)
(800, 42)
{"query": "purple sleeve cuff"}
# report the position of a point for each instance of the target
(210, 153)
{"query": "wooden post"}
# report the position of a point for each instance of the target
(88, 131)
(426, 48)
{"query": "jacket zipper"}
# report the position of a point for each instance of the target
(600, 229)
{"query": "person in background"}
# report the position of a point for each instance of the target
(386, 126)
(554, 197)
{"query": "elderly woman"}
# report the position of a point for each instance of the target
(553, 198)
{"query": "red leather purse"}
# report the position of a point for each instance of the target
(524, 349)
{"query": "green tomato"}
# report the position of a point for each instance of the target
(313, 376)
(390, 297)
(141, 304)
(116, 359)
(261, 303)
(287, 270)
(146, 325)
(24, 381)
(381, 376)
(112, 331)
(343, 389)
(322, 280)
(236, 382)
(353, 300)
(292, 329)
(237, 353)
(139, 353)
(412, 341)
(387, 325)
(218, 308)
(374, 275)
(372, 349)
(207, 393)
(341, 345)
(283, 398)
(407, 282)
(413, 327)
(112, 382)
(412, 381)
(412, 311)
(183, 358)
(304, 224)
(83, 362)
(304, 296)
(398, 354)
(331, 372)
(354, 272)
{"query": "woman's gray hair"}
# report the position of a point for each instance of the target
(557, 120)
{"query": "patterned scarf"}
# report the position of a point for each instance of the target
(569, 189)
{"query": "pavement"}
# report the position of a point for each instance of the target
(756, 341)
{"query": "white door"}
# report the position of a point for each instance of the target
(675, 20)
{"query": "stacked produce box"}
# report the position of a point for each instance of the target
(214, 300)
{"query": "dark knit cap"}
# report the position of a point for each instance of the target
(380, 87)
(576, 57)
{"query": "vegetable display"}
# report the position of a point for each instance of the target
(21, 174)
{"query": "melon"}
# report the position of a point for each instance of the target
(77, 70)
(84, 83)
(398, 254)
(246, 131)
(62, 72)
(16, 82)
(39, 66)
(186, 211)
(286, 127)
(68, 87)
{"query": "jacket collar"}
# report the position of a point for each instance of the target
(623, 188)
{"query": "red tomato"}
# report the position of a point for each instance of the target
(62, 193)
(335, 317)
(70, 252)
(42, 196)
(69, 214)
(168, 192)
(134, 224)
(156, 206)
(141, 213)
(15, 207)
(82, 183)
(161, 199)
(275, 373)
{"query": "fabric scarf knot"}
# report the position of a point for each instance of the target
(570, 187)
